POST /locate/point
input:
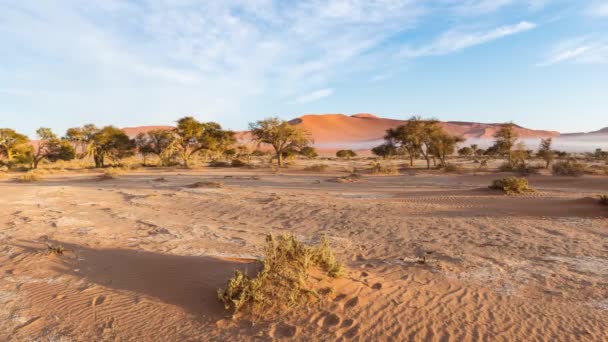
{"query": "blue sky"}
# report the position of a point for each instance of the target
(540, 63)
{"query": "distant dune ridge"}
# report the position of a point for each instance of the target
(364, 131)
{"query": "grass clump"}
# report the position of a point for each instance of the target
(29, 177)
(452, 168)
(283, 281)
(511, 185)
(571, 168)
(383, 168)
(316, 167)
(604, 200)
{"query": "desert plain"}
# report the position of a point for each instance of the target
(429, 255)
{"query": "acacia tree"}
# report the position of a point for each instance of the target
(545, 152)
(81, 137)
(444, 145)
(192, 136)
(281, 135)
(51, 148)
(158, 142)
(110, 143)
(506, 138)
(406, 137)
(11, 143)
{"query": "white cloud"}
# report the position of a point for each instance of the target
(584, 50)
(314, 96)
(456, 40)
(598, 9)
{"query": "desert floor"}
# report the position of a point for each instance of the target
(430, 256)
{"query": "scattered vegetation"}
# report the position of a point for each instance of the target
(511, 185)
(383, 168)
(316, 167)
(283, 281)
(30, 176)
(571, 168)
(451, 168)
(351, 178)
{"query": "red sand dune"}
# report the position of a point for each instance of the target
(358, 128)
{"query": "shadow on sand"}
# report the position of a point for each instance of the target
(190, 282)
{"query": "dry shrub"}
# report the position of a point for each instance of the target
(109, 174)
(511, 185)
(378, 168)
(570, 168)
(30, 176)
(212, 185)
(219, 163)
(452, 168)
(57, 250)
(604, 200)
(316, 167)
(283, 281)
(597, 170)
(238, 163)
(352, 178)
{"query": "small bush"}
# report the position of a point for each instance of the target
(570, 168)
(383, 168)
(30, 176)
(604, 200)
(346, 154)
(316, 167)
(352, 178)
(283, 281)
(511, 185)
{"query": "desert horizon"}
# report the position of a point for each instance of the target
(309, 170)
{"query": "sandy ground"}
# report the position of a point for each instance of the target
(430, 256)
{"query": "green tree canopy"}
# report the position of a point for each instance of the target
(281, 135)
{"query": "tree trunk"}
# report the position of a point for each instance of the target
(280, 158)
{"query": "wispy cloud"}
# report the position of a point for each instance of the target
(584, 50)
(456, 40)
(314, 96)
(598, 9)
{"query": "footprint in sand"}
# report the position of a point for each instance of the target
(98, 300)
(283, 331)
(330, 320)
(352, 302)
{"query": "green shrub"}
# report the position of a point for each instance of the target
(570, 168)
(383, 168)
(283, 281)
(511, 185)
(316, 167)
(346, 154)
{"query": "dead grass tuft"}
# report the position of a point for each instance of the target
(29, 177)
(57, 250)
(316, 168)
(379, 168)
(109, 174)
(283, 281)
